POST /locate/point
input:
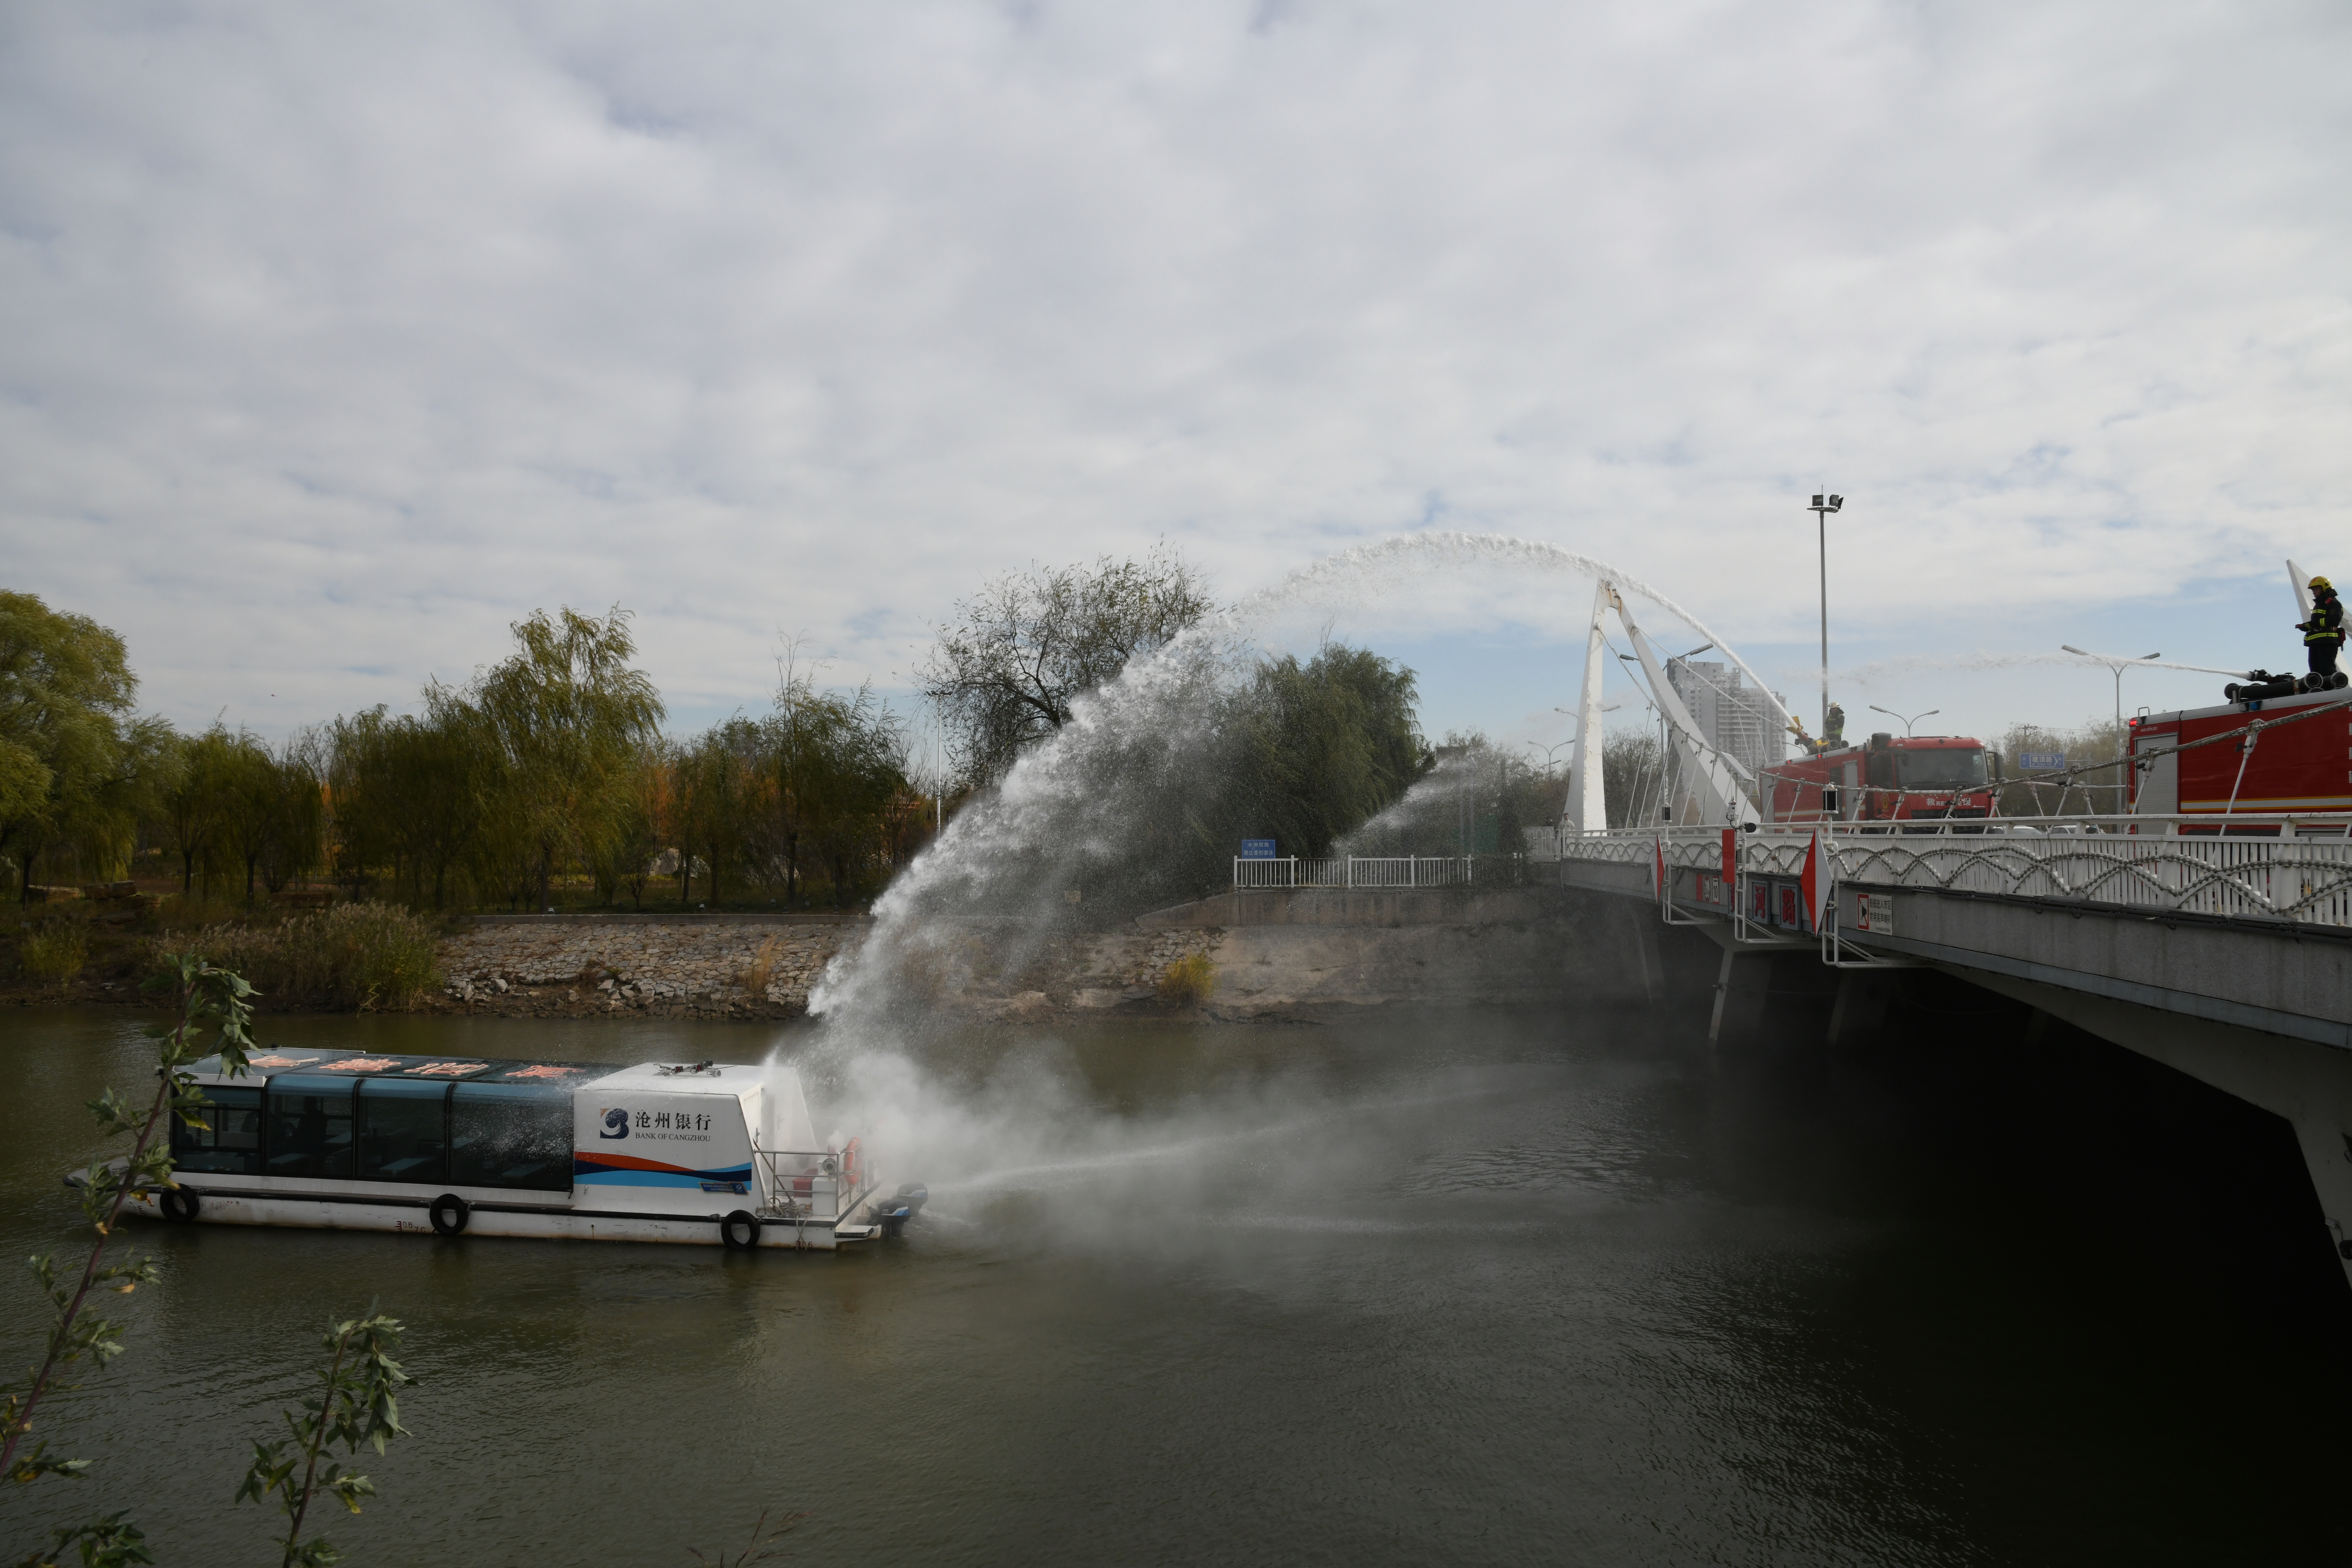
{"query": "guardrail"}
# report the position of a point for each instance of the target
(1355, 872)
(2276, 867)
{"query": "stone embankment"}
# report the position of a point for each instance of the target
(722, 968)
(1274, 957)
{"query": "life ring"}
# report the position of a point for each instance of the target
(849, 1164)
(179, 1204)
(740, 1231)
(450, 1214)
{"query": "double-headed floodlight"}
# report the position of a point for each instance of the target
(1915, 718)
(2118, 666)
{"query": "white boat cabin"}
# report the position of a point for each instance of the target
(701, 1153)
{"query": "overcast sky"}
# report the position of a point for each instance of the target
(333, 338)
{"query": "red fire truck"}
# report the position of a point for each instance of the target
(2300, 766)
(1885, 779)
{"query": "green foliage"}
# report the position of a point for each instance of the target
(110, 1542)
(1326, 745)
(54, 950)
(215, 1015)
(561, 721)
(1017, 654)
(363, 955)
(357, 1407)
(76, 767)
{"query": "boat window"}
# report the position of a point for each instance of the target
(405, 1130)
(1954, 768)
(510, 1135)
(227, 1140)
(308, 1126)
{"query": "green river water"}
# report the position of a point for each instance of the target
(1467, 1287)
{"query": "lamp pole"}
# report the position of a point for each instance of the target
(2117, 666)
(1821, 508)
(1915, 718)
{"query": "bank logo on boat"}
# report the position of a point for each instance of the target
(617, 1125)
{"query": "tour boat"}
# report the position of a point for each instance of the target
(704, 1152)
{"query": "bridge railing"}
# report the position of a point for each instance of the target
(1356, 871)
(2264, 866)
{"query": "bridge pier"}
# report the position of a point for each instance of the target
(2307, 1083)
(1860, 1010)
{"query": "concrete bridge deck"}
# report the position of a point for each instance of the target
(2228, 958)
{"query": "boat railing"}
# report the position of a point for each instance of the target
(810, 1183)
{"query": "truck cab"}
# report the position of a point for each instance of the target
(1885, 779)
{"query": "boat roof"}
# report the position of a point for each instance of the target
(687, 1078)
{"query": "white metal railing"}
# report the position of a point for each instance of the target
(1355, 872)
(813, 1183)
(2265, 864)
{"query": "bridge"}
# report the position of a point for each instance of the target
(2221, 949)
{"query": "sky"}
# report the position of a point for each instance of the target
(335, 339)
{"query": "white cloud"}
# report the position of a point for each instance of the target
(333, 340)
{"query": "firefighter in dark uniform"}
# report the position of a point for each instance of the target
(1834, 729)
(2322, 635)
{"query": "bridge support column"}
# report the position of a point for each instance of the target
(1649, 962)
(2308, 1084)
(1859, 1011)
(1743, 987)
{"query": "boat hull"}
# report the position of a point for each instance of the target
(531, 1221)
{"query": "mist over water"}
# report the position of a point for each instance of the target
(1502, 1287)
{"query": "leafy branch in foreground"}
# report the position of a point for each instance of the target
(758, 1549)
(207, 997)
(356, 1406)
(110, 1542)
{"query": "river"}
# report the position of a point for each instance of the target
(1463, 1287)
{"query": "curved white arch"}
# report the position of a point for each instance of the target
(1450, 546)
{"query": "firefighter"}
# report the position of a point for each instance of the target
(2322, 635)
(1834, 729)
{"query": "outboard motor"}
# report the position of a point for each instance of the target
(906, 1206)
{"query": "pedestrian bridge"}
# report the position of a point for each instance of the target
(2220, 948)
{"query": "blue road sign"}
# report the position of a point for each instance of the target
(1257, 848)
(2041, 761)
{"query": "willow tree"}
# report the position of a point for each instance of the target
(404, 795)
(839, 768)
(1018, 654)
(562, 719)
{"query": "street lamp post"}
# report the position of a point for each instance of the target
(1915, 718)
(2118, 666)
(1820, 509)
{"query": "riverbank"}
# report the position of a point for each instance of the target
(1265, 959)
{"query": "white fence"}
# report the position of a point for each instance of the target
(1354, 871)
(2265, 867)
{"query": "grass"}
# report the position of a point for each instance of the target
(366, 956)
(762, 968)
(1189, 981)
(54, 951)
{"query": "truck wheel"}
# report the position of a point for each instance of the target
(740, 1231)
(450, 1214)
(179, 1204)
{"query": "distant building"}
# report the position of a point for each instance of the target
(1739, 720)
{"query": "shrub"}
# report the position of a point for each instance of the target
(762, 969)
(354, 955)
(1190, 980)
(54, 951)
